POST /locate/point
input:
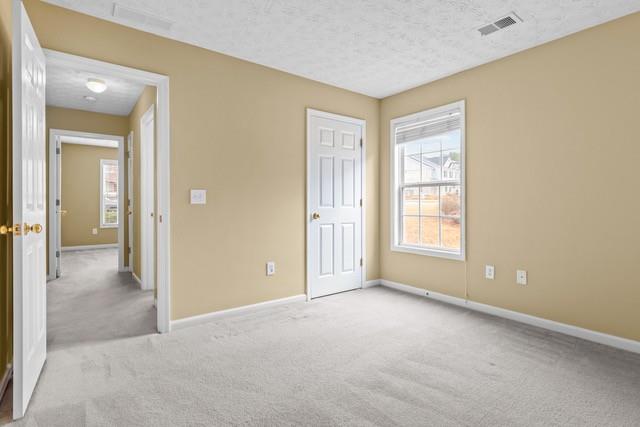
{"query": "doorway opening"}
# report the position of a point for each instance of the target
(34, 71)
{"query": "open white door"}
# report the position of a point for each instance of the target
(129, 249)
(147, 199)
(29, 211)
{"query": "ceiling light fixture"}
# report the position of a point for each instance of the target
(90, 99)
(96, 85)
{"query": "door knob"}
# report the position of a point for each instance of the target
(36, 228)
(315, 215)
(8, 229)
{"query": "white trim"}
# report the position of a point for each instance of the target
(137, 279)
(393, 186)
(363, 178)
(163, 170)
(89, 247)
(371, 283)
(207, 317)
(563, 328)
(5, 380)
(54, 235)
(79, 140)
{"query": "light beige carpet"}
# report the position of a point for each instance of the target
(92, 302)
(371, 357)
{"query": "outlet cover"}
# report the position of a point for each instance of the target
(489, 272)
(271, 268)
(198, 197)
(521, 277)
(94, 231)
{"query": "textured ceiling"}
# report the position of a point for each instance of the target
(66, 87)
(375, 47)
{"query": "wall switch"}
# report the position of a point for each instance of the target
(198, 197)
(489, 272)
(94, 231)
(271, 268)
(521, 277)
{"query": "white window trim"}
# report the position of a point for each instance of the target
(394, 185)
(104, 162)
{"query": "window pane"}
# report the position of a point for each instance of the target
(411, 169)
(430, 235)
(451, 233)
(109, 193)
(451, 165)
(429, 203)
(431, 170)
(410, 230)
(450, 200)
(410, 201)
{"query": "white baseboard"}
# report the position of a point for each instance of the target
(574, 331)
(5, 380)
(371, 283)
(203, 318)
(88, 247)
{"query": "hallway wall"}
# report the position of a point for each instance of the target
(80, 195)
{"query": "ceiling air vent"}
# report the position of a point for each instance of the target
(500, 24)
(139, 17)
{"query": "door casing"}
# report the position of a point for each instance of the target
(363, 123)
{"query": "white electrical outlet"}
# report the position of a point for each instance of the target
(489, 272)
(94, 231)
(271, 268)
(198, 197)
(521, 277)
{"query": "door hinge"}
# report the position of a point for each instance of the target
(361, 142)
(361, 262)
(57, 202)
(57, 254)
(57, 150)
(360, 202)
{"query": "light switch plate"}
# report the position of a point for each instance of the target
(271, 268)
(489, 272)
(198, 197)
(521, 277)
(94, 231)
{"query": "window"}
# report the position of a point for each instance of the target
(427, 180)
(108, 193)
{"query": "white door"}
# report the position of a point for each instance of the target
(147, 199)
(29, 211)
(130, 198)
(334, 245)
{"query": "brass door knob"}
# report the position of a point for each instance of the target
(9, 229)
(315, 215)
(36, 228)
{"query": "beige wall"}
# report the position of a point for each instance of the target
(81, 195)
(231, 122)
(147, 98)
(85, 121)
(552, 156)
(6, 296)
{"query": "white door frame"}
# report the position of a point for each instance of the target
(147, 202)
(363, 123)
(95, 139)
(163, 171)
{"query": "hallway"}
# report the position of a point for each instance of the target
(92, 302)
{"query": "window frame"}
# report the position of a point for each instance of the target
(395, 187)
(103, 163)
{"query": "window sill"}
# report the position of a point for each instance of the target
(429, 252)
(108, 226)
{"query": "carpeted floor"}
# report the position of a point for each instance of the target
(92, 302)
(370, 357)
